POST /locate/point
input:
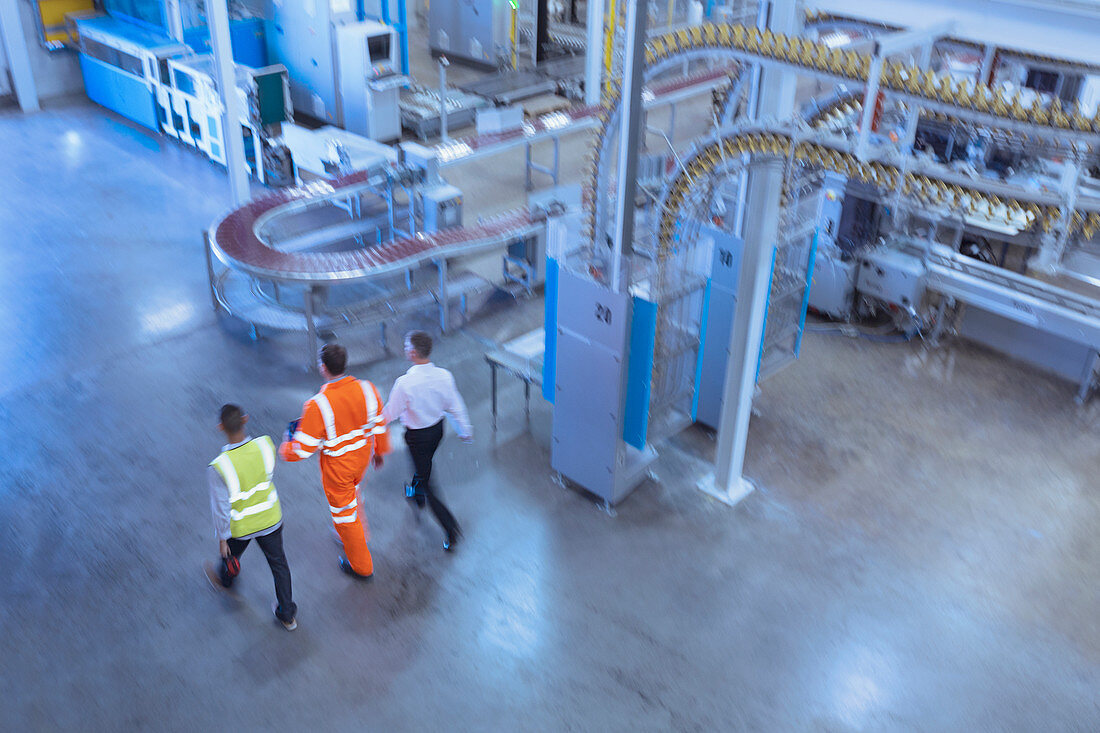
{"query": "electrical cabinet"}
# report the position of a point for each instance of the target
(892, 276)
(719, 306)
(475, 31)
(368, 83)
(343, 71)
(195, 111)
(442, 207)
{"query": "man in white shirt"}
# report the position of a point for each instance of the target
(420, 398)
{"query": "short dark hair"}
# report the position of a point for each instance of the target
(232, 418)
(335, 358)
(421, 343)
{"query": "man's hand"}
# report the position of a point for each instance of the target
(377, 461)
(223, 547)
(467, 439)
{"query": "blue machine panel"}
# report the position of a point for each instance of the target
(119, 91)
(246, 36)
(149, 13)
(588, 381)
(550, 329)
(639, 377)
(719, 304)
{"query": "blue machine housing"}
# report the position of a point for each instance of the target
(121, 62)
(246, 36)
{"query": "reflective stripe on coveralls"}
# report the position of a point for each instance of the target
(374, 425)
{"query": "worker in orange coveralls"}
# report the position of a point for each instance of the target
(344, 421)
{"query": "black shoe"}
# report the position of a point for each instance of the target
(346, 567)
(450, 542)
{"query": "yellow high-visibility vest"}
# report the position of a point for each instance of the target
(247, 470)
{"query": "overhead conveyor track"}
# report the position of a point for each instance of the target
(976, 104)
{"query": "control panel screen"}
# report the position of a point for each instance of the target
(379, 48)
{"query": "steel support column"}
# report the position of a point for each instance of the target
(989, 57)
(761, 227)
(910, 136)
(19, 60)
(632, 111)
(217, 18)
(593, 59)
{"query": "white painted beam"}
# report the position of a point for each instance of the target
(217, 18)
(593, 58)
(19, 60)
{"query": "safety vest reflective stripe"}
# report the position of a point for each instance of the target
(225, 468)
(267, 450)
(345, 520)
(354, 503)
(273, 500)
(246, 495)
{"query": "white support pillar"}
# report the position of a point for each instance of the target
(985, 72)
(19, 59)
(870, 101)
(173, 20)
(910, 136)
(887, 46)
(593, 58)
(1053, 245)
(630, 136)
(217, 18)
(761, 228)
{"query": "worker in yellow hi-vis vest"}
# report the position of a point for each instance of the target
(245, 506)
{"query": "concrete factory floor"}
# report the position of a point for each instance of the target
(922, 554)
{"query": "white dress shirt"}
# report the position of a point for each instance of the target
(423, 395)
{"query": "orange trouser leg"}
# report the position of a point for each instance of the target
(350, 525)
(355, 546)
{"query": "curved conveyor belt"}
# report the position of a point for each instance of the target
(236, 240)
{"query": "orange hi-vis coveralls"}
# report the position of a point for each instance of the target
(344, 421)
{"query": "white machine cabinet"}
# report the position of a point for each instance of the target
(343, 71)
(369, 84)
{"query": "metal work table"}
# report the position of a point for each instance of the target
(511, 86)
(522, 357)
(310, 149)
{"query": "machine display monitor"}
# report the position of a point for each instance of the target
(378, 47)
(185, 83)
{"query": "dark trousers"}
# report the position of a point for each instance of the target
(422, 444)
(272, 546)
